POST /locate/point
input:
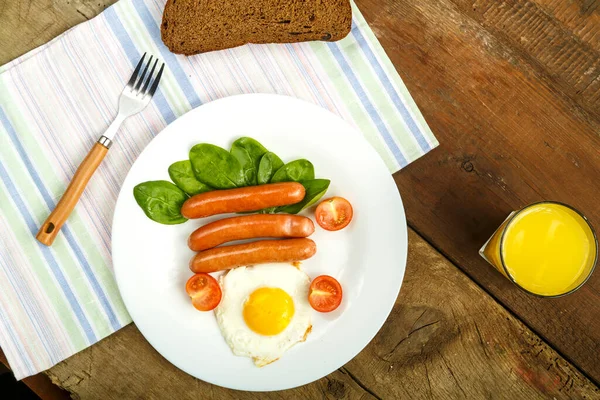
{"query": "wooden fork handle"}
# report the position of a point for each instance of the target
(57, 218)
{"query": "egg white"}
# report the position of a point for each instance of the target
(237, 285)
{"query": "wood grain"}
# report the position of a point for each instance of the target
(510, 88)
(27, 24)
(40, 384)
(445, 338)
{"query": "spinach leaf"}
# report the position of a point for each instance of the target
(295, 171)
(315, 189)
(270, 210)
(161, 201)
(216, 167)
(249, 153)
(181, 173)
(269, 164)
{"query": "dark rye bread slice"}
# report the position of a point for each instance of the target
(198, 26)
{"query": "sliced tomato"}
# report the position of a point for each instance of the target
(325, 293)
(204, 290)
(334, 214)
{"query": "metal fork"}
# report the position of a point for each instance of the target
(134, 98)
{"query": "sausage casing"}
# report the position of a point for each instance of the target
(260, 252)
(250, 227)
(250, 198)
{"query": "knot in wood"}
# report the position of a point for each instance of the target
(468, 166)
(336, 388)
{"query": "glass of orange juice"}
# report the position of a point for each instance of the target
(548, 249)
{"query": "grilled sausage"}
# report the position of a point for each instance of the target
(260, 252)
(250, 227)
(251, 198)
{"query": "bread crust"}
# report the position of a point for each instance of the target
(199, 26)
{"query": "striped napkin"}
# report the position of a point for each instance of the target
(56, 100)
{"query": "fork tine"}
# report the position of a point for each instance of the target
(141, 80)
(135, 72)
(155, 83)
(143, 91)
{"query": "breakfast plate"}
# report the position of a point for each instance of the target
(368, 257)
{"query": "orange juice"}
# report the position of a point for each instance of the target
(548, 249)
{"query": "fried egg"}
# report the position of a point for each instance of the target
(264, 310)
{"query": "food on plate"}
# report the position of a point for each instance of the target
(268, 165)
(250, 198)
(334, 214)
(249, 153)
(191, 27)
(296, 171)
(216, 167)
(264, 310)
(250, 227)
(182, 175)
(259, 252)
(248, 164)
(325, 293)
(204, 290)
(161, 201)
(315, 189)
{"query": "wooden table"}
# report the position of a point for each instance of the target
(511, 88)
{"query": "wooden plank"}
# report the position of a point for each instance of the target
(27, 24)
(510, 88)
(445, 338)
(558, 40)
(512, 123)
(40, 384)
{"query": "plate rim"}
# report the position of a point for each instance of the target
(402, 227)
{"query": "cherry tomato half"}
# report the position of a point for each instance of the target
(325, 293)
(204, 290)
(334, 214)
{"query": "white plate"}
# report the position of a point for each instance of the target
(368, 257)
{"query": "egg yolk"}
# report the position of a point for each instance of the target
(268, 311)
